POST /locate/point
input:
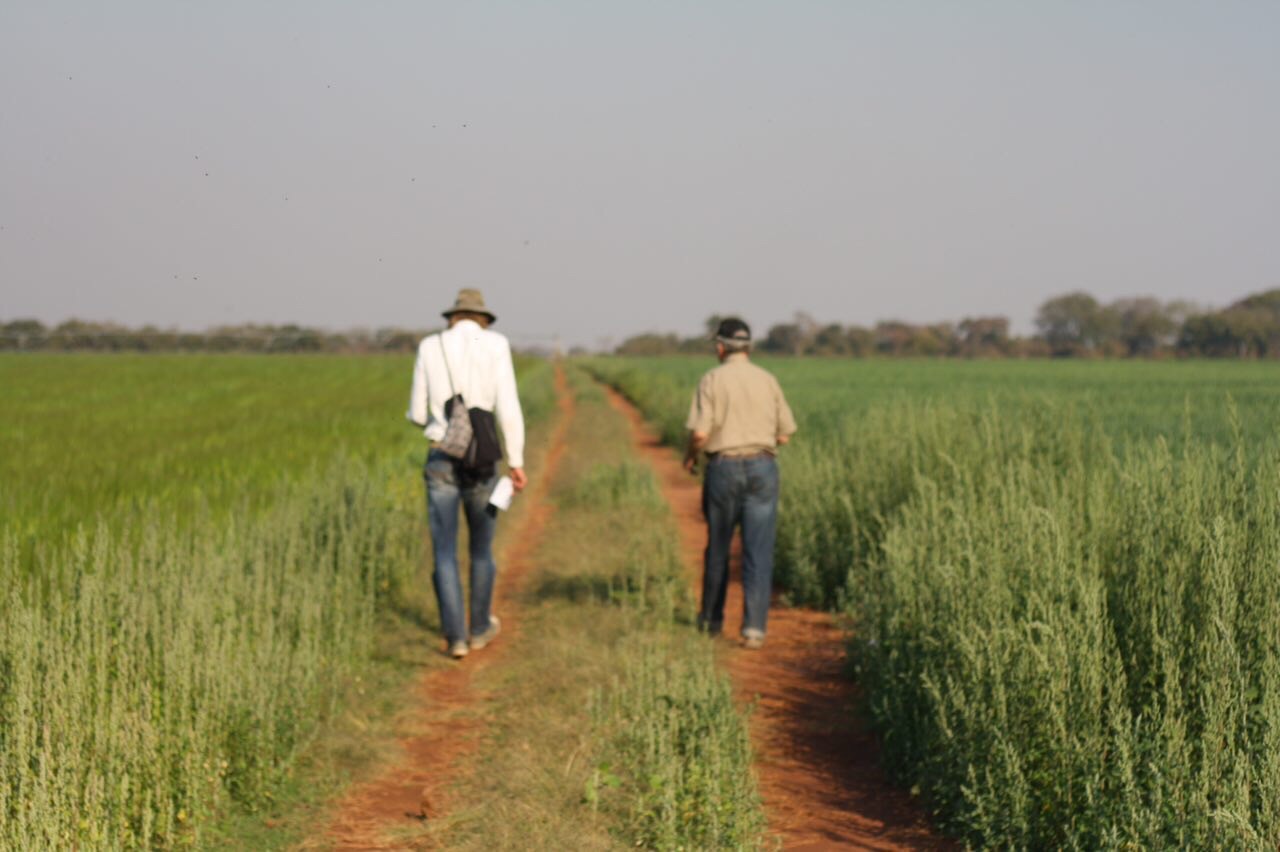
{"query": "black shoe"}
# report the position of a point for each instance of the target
(711, 628)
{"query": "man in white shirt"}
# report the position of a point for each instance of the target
(470, 360)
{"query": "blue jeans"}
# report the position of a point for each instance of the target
(447, 486)
(739, 491)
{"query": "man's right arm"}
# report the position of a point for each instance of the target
(697, 440)
(699, 424)
(417, 413)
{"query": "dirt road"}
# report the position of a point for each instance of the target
(819, 773)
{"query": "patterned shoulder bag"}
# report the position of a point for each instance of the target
(458, 433)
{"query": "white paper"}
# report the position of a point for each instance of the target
(501, 496)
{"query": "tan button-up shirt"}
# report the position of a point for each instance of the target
(740, 408)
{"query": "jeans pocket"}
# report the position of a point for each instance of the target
(762, 480)
(439, 471)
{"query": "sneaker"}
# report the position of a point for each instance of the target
(458, 649)
(753, 639)
(478, 642)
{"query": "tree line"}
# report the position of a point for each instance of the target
(1070, 325)
(77, 335)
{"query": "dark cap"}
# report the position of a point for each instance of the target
(733, 330)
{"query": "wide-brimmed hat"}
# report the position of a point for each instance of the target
(471, 301)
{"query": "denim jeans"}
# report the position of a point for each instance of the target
(446, 488)
(739, 491)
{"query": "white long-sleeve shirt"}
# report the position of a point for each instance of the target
(481, 364)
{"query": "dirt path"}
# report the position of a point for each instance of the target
(448, 717)
(819, 773)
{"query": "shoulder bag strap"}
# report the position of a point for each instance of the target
(447, 370)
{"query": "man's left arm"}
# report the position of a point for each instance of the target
(786, 420)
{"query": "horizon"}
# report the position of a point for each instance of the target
(757, 330)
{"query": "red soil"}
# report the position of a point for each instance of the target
(448, 715)
(818, 769)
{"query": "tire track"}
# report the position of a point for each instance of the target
(819, 773)
(447, 719)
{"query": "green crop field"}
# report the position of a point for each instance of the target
(1131, 398)
(193, 553)
(83, 438)
(1061, 578)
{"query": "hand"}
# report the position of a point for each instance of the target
(518, 479)
(697, 440)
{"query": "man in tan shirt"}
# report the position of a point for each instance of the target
(740, 418)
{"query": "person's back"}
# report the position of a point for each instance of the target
(473, 361)
(741, 408)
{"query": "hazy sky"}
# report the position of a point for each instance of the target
(604, 168)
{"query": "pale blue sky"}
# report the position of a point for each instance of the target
(603, 168)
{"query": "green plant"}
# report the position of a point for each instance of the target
(678, 759)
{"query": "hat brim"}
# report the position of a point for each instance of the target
(452, 311)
